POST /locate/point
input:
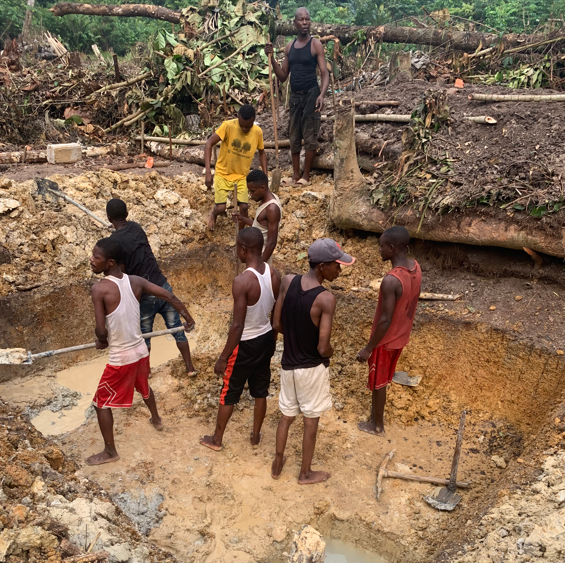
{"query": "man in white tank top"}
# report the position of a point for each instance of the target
(116, 308)
(268, 215)
(251, 339)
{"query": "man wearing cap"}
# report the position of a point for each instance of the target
(304, 313)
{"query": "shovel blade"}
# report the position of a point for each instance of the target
(443, 499)
(276, 180)
(402, 378)
(14, 356)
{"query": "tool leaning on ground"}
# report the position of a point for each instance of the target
(47, 186)
(276, 175)
(21, 356)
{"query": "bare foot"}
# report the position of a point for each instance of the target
(255, 440)
(313, 477)
(211, 221)
(274, 474)
(371, 428)
(157, 424)
(208, 441)
(101, 458)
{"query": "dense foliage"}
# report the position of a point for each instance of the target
(118, 34)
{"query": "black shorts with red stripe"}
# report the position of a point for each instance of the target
(249, 362)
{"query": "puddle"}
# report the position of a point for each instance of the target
(338, 551)
(84, 378)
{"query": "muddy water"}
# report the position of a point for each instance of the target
(338, 551)
(84, 378)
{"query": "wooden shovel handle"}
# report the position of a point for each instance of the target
(455, 464)
(273, 108)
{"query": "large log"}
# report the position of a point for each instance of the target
(123, 10)
(351, 209)
(468, 41)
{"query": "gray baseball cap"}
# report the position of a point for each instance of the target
(327, 250)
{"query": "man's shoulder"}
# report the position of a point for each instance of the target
(101, 286)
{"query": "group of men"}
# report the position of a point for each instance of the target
(134, 290)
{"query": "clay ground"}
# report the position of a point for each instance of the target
(503, 365)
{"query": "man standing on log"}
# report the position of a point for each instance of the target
(246, 357)
(394, 318)
(139, 260)
(268, 214)
(240, 139)
(116, 300)
(304, 314)
(306, 101)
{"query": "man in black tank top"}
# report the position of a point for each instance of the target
(302, 56)
(304, 314)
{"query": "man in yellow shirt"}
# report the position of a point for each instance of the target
(240, 139)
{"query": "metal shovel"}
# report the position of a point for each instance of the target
(47, 186)
(20, 356)
(446, 498)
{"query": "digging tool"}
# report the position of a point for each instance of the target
(402, 378)
(236, 209)
(20, 356)
(276, 175)
(47, 186)
(381, 472)
(446, 498)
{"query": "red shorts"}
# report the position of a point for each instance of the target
(382, 365)
(115, 390)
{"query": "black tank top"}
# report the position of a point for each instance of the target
(302, 68)
(301, 335)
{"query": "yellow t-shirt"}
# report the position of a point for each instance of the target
(237, 149)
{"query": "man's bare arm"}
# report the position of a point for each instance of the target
(273, 218)
(327, 304)
(161, 293)
(281, 72)
(391, 291)
(214, 139)
(276, 285)
(319, 49)
(263, 160)
(239, 292)
(97, 295)
(277, 318)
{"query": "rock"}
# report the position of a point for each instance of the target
(54, 455)
(36, 537)
(498, 461)
(39, 488)
(142, 509)
(309, 196)
(5, 256)
(20, 512)
(166, 197)
(8, 204)
(492, 308)
(119, 553)
(560, 497)
(307, 546)
(17, 476)
(518, 298)
(279, 533)
(321, 507)
(560, 352)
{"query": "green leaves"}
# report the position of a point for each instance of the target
(164, 38)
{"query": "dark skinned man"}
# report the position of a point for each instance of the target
(139, 260)
(116, 309)
(307, 99)
(394, 318)
(246, 357)
(240, 139)
(304, 314)
(268, 215)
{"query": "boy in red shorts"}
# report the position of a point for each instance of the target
(116, 308)
(398, 299)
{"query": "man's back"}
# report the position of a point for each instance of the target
(139, 258)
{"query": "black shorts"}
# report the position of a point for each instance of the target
(250, 361)
(304, 121)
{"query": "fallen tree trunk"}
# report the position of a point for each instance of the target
(468, 41)
(517, 97)
(16, 157)
(201, 142)
(351, 208)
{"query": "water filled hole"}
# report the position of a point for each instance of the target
(338, 551)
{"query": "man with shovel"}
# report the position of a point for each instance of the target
(140, 261)
(240, 139)
(302, 56)
(392, 325)
(116, 308)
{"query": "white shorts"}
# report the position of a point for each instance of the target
(305, 391)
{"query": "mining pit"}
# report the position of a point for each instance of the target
(497, 352)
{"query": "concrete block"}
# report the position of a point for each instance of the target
(64, 154)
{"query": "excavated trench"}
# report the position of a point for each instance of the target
(225, 506)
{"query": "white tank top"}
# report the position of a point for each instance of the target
(265, 230)
(126, 344)
(257, 318)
